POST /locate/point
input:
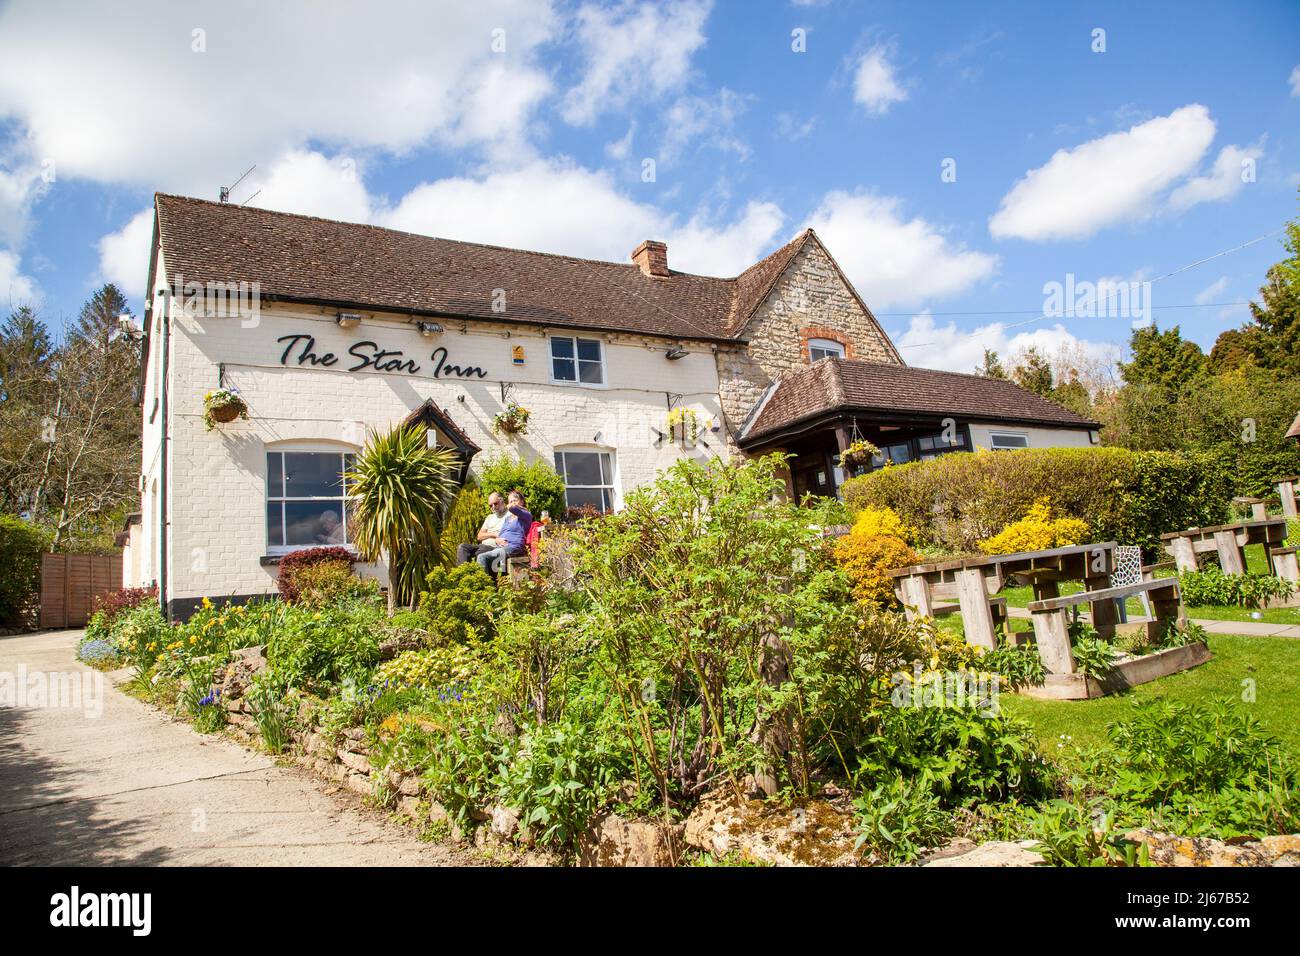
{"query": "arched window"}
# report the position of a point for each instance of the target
(819, 349)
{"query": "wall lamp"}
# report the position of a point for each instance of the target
(429, 329)
(674, 354)
(348, 320)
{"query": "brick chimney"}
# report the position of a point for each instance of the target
(652, 258)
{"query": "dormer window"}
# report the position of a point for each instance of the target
(819, 349)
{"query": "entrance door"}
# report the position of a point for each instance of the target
(813, 477)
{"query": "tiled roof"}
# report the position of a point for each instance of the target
(1294, 431)
(303, 258)
(855, 386)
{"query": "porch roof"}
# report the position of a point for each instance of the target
(835, 387)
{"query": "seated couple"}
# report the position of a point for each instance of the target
(502, 535)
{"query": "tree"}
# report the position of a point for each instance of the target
(93, 456)
(26, 383)
(402, 489)
(1163, 359)
(992, 367)
(69, 424)
(1034, 372)
(1272, 338)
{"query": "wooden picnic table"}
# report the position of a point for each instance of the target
(1227, 540)
(973, 580)
(1286, 491)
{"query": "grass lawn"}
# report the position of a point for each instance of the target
(1272, 662)
(1255, 562)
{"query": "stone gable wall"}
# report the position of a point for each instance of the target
(810, 300)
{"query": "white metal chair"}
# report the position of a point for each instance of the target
(1128, 570)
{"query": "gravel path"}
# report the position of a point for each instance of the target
(113, 782)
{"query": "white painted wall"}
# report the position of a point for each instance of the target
(981, 435)
(218, 487)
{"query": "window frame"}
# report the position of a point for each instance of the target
(305, 448)
(577, 367)
(826, 345)
(610, 464)
(995, 445)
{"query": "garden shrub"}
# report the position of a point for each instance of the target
(1212, 587)
(325, 583)
(464, 518)
(1020, 665)
(1038, 530)
(437, 667)
(882, 522)
(955, 501)
(868, 556)
(109, 605)
(295, 560)
(21, 546)
(315, 649)
(542, 487)
(900, 818)
(559, 778)
(460, 603)
(965, 755)
(1197, 770)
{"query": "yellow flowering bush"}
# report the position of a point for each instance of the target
(868, 557)
(1036, 531)
(874, 522)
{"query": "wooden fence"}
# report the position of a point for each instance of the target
(71, 582)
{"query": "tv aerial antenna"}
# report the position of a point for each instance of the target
(224, 194)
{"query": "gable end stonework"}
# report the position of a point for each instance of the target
(811, 300)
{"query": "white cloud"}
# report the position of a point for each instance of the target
(15, 288)
(633, 51)
(1295, 81)
(558, 206)
(311, 184)
(20, 187)
(124, 255)
(1212, 291)
(791, 128)
(1105, 181)
(956, 350)
(875, 84)
(708, 118)
(892, 260)
(621, 148)
(120, 95)
(1223, 182)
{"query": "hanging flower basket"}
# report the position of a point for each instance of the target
(513, 421)
(684, 425)
(858, 455)
(223, 406)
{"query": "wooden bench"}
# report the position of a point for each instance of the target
(1285, 564)
(1258, 507)
(998, 605)
(1052, 631)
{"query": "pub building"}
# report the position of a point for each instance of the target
(328, 330)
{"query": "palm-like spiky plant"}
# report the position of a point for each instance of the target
(401, 489)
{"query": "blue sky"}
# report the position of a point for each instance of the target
(527, 123)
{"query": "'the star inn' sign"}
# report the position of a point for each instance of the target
(301, 349)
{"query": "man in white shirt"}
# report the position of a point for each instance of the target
(487, 533)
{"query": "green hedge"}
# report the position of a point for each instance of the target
(21, 544)
(543, 489)
(1128, 496)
